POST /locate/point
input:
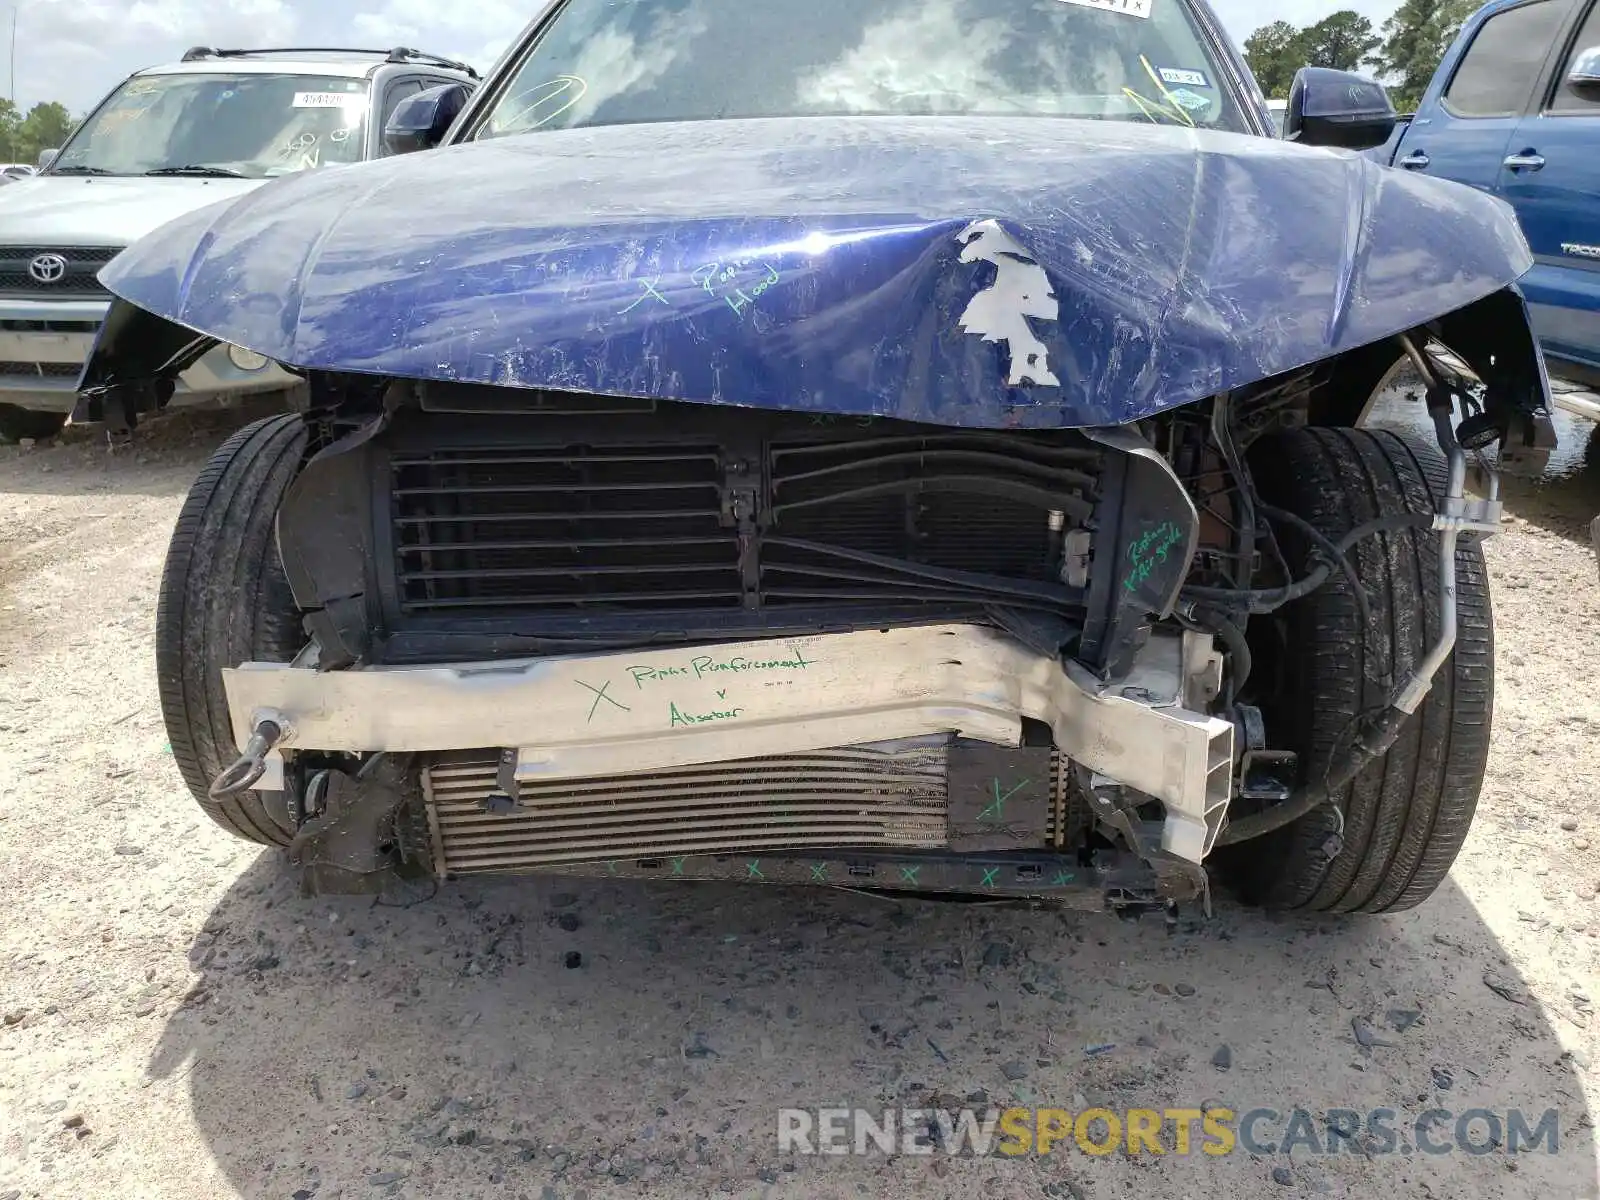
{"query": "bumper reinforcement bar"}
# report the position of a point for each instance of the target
(635, 711)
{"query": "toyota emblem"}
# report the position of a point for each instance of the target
(48, 268)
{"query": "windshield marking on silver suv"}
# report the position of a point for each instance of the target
(253, 126)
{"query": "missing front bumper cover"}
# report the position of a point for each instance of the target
(576, 718)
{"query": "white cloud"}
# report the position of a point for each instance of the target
(77, 50)
(475, 31)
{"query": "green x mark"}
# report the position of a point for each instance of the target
(599, 695)
(1062, 879)
(611, 866)
(677, 864)
(909, 874)
(819, 871)
(988, 876)
(752, 870)
(995, 811)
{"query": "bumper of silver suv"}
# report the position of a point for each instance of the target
(44, 344)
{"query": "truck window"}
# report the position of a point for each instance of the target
(1565, 99)
(1498, 70)
(600, 62)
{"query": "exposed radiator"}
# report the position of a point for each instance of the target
(854, 797)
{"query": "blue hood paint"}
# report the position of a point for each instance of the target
(848, 265)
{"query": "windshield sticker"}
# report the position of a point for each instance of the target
(1193, 101)
(1166, 107)
(1000, 312)
(1128, 8)
(1183, 75)
(326, 99)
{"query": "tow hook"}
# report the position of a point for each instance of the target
(251, 765)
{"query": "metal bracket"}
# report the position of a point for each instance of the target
(1263, 774)
(1463, 514)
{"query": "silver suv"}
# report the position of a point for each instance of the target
(169, 140)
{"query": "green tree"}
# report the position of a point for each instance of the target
(1413, 41)
(44, 128)
(1273, 52)
(10, 124)
(1341, 41)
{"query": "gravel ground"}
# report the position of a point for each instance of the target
(179, 1022)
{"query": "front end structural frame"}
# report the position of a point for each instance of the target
(578, 717)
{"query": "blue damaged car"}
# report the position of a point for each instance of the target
(888, 444)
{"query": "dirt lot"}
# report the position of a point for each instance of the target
(178, 1022)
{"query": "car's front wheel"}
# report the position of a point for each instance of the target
(225, 600)
(1320, 670)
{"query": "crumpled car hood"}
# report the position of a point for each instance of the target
(966, 271)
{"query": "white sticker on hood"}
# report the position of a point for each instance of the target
(326, 99)
(1000, 312)
(1128, 8)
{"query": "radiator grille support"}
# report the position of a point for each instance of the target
(762, 513)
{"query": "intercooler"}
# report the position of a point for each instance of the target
(855, 798)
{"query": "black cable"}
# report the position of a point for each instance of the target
(1331, 548)
(1267, 600)
(1371, 743)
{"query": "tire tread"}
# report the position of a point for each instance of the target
(224, 599)
(1406, 815)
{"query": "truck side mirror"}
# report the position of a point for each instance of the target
(420, 122)
(1585, 72)
(46, 157)
(1337, 108)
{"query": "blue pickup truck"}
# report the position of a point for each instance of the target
(1514, 109)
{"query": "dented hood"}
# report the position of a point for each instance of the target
(978, 272)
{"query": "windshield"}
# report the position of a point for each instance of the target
(604, 62)
(253, 126)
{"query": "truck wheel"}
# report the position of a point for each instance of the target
(225, 600)
(1406, 814)
(18, 423)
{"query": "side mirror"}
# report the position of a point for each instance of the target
(1585, 72)
(46, 157)
(1337, 108)
(420, 122)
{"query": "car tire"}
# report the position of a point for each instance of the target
(1406, 814)
(225, 600)
(18, 423)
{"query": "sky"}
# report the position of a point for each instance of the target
(74, 51)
